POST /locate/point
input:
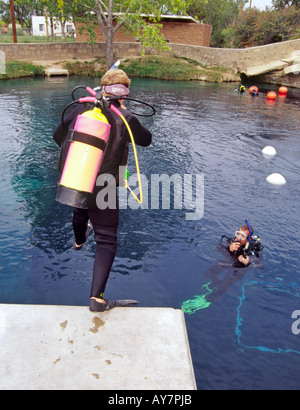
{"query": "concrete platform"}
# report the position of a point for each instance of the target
(56, 71)
(292, 69)
(265, 68)
(68, 347)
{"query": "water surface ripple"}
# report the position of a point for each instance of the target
(244, 339)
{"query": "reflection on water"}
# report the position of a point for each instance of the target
(162, 258)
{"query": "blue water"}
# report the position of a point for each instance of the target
(243, 340)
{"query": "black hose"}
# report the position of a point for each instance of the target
(109, 99)
(118, 98)
(75, 89)
(142, 102)
(65, 109)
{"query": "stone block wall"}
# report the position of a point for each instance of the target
(51, 51)
(238, 59)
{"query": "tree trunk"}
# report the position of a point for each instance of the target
(110, 59)
(106, 25)
(110, 37)
(13, 21)
(63, 25)
(52, 27)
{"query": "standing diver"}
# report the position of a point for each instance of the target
(104, 221)
(245, 249)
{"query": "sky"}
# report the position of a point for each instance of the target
(261, 4)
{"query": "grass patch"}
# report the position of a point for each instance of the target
(173, 68)
(17, 69)
(164, 68)
(95, 68)
(158, 67)
(25, 38)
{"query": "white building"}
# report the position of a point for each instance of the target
(39, 27)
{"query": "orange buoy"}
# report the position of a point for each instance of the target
(283, 90)
(271, 95)
(253, 90)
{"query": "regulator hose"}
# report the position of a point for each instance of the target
(94, 93)
(98, 100)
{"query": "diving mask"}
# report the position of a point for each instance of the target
(240, 235)
(116, 90)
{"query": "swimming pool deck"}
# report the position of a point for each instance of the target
(70, 348)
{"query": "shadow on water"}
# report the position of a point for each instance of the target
(163, 258)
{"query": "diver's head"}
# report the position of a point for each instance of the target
(115, 82)
(242, 235)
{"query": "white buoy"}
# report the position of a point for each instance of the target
(269, 152)
(276, 179)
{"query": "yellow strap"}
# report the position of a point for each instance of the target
(140, 201)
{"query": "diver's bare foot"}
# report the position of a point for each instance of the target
(99, 300)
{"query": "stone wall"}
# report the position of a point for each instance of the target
(51, 51)
(239, 59)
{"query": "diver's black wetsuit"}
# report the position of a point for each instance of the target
(105, 222)
(235, 270)
(254, 249)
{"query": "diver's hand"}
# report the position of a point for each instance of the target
(244, 259)
(235, 246)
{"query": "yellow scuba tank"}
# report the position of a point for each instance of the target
(88, 142)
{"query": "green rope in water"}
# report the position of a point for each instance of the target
(199, 302)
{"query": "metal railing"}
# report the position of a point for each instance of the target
(26, 36)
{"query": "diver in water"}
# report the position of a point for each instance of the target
(105, 221)
(253, 90)
(244, 248)
(239, 246)
(241, 89)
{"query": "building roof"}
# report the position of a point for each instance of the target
(170, 17)
(173, 17)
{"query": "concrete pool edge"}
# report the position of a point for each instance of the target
(67, 347)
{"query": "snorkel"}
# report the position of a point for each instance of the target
(249, 237)
(116, 65)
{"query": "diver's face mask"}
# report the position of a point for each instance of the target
(117, 90)
(241, 236)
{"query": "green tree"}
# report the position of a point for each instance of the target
(255, 28)
(56, 9)
(243, 28)
(59, 10)
(24, 9)
(219, 13)
(4, 12)
(282, 4)
(127, 13)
